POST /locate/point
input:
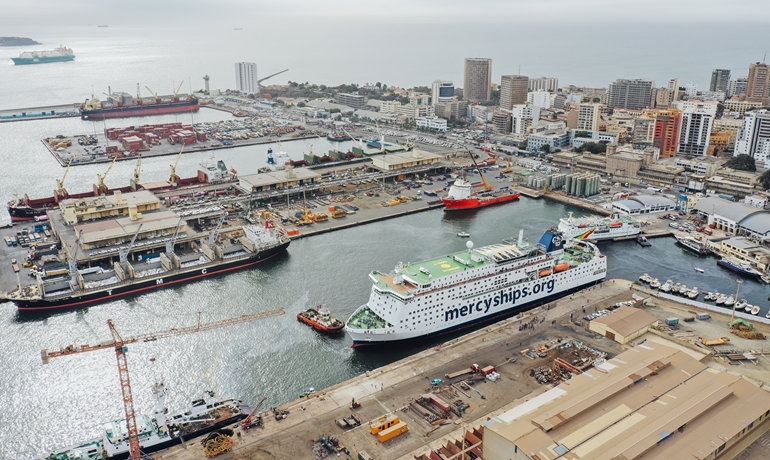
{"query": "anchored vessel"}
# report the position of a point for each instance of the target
(462, 289)
(125, 105)
(59, 54)
(598, 228)
(161, 430)
(740, 267)
(321, 319)
(79, 288)
(461, 197)
(693, 245)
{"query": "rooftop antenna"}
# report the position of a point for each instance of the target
(519, 69)
(764, 57)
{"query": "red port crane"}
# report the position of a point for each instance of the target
(119, 344)
(248, 422)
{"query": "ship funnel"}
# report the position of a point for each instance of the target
(521, 236)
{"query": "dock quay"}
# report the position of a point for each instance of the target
(394, 389)
(40, 113)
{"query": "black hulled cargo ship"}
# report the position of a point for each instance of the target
(77, 290)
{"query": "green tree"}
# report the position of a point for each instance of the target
(545, 148)
(742, 162)
(765, 180)
(378, 84)
(421, 89)
(596, 99)
(300, 104)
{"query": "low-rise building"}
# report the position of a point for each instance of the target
(740, 108)
(737, 218)
(433, 122)
(390, 106)
(404, 160)
(643, 204)
(351, 100)
(554, 140)
(624, 324)
(76, 210)
(110, 232)
(277, 180)
(746, 250)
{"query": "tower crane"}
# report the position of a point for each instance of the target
(484, 181)
(102, 189)
(173, 178)
(155, 95)
(119, 344)
(137, 171)
(61, 192)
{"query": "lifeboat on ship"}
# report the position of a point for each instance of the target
(560, 267)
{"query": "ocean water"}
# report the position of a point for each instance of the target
(66, 401)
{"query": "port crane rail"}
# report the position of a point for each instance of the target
(119, 344)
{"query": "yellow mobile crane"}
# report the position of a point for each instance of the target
(173, 178)
(120, 346)
(101, 187)
(61, 192)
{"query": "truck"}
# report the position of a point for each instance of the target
(15, 266)
(40, 252)
(396, 430)
(470, 370)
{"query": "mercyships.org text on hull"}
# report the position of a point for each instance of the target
(471, 287)
(79, 290)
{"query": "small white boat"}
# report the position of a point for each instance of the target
(721, 299)
(707, 295)
(699, 270)
(755, 310)
(655, 284)
(730, 301)
(677, 287)
(748, 308)
(741, 304)
(693, 294)
(767, 315)
(464, 235)
(683, 289)
(645, 278)
(665, 287)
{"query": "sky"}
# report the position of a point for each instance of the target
(549, 12)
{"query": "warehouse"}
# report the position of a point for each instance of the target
(623, 324)
(403, 160)
(276, 180)
(738, 218)
(75, 210)
(651, 401)
(110, 232)
(643, 204)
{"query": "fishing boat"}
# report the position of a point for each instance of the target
(721, 299)
(755, 310)
(599, 228)
(464, 235)
(321, 319)
(767, 315)
(645, 278)
(741, 304)
(730, 301)
(683, 290)
(655, 283)
(676, 288)
(161, 430)
(693, 294)
(740, 267)
(693, 245)
(747, 308)
(666, 287)
(419, 300)
(708, 295)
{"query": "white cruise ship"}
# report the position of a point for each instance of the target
(462, 289)
(598, 228)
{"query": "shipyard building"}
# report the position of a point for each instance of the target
(650, 402)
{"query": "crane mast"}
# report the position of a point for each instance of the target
(101, 186)
(61, 192)
(119, 344)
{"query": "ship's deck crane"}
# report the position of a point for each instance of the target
(155, 95)
(61, 192)
(100, 178)
(484, 181)
(139, 100)
(215, 233)
(123, 252)
(173, 178)
(175, 97)
(119, 344)
(170, 244)
(137, 173)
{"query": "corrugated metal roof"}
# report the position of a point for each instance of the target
(652, 200)
(758, 222)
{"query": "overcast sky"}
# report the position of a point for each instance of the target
(547, 12)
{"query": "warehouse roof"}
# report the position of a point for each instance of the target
(603, 414)
(630, 204)
(626, 320)
(759, 222)
(278, 177)
(124, 227)
(652, 200)
(747, 216)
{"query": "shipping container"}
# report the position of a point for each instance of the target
(438, 402)
(390, 433)
(487, 370)
(382, 423)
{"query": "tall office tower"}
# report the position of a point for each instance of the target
(588, 117)
(719, 79)
(543, 84)
(442, 91)
(696, 131)
(513, 91)
(737, 86)
(630, 94)
(758, 86)
(478, 79)
(754, 137)
(246, 77)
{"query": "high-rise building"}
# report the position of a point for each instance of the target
(246, 77)
(589, 115)
(663, 97)
(630, 94)
(513, 90)
(442, 91)
(543, 84)
(668, 124)
(523, 117)
(737, 86)
(758, 86)
(691, 89)
(719, 79)
(539, 98)
(754, 137)
(478, 79)
(696, 131)
(451, 109)
(673, 86)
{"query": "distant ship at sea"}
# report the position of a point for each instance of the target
(59, 54)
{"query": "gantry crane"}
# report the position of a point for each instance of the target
(61, 192)
(173, 178)
(119, 344)
(100, 178)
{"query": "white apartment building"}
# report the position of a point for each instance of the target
(691, 89)
(390, 106)
(442, 91)
(709, 106)
(754, 137)
(246, 77)
(695, 131)
(589, 115)
(539, 98)
(480, 113)
(432, 122)
(550, 85)
(524, 117)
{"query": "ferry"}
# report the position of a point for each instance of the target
(740, 267)
(599, 228)
(161, 430)
(466, 288)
